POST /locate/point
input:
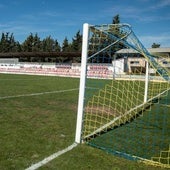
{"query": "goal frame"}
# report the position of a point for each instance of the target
(92, 131)
(84, 60)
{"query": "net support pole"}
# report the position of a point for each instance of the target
(84, 55)
(146, 82)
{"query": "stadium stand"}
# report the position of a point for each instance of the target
(66, 70)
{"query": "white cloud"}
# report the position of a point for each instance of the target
(161, 4)
(162, 39)
(144, 13)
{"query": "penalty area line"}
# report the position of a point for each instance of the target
(37, 94)
(51, 157)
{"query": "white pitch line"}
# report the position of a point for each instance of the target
(37, 94)
(51, 157)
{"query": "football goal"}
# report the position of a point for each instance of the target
(124, 96)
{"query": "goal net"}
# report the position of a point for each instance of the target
(124, 97)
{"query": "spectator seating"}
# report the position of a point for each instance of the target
(67, 70)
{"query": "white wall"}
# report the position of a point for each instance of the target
(118, 66)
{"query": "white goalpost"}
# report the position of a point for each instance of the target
(82, 83)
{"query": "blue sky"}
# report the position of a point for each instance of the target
(150, 19)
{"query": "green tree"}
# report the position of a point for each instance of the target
(36, 44)
(3, 43)
(32, 43)
(8, 43)
(47, 44)
(50, 45)
(76, 45)
(116, 29)
(155, 45)
(66, 46)
(57, 46)
(116, 19)
(76, 42)
(18, 47)
(28, 43)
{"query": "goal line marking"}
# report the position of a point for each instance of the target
(51, 157)
(37, 94)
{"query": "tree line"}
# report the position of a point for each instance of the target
(33, 43)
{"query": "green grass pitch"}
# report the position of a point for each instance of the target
(38, 118)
